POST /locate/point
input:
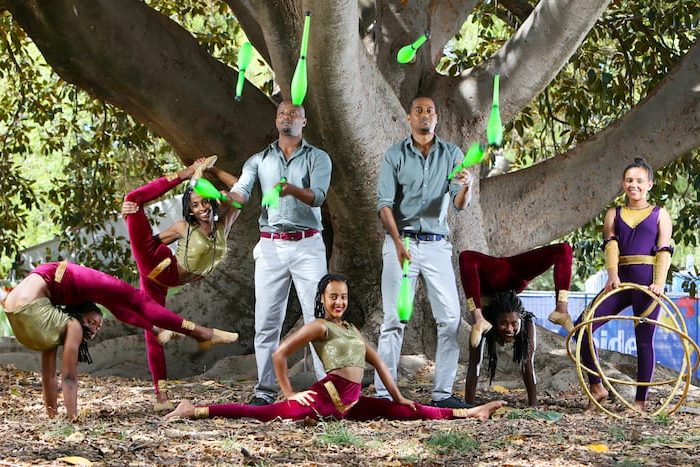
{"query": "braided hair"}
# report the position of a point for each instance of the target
(640, 163)
(507, 302)
(319, 310)
(192, 220)
(77, 312)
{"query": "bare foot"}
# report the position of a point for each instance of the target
(484, 411)
(641, 406)
(184, 410)
(599, 393)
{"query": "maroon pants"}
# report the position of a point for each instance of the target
(79, 284)
(148, 253)
(366, 408)
(487, 274)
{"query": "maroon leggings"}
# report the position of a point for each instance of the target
(148, 252)
(129, 305)
(488, 274)
(366, 408)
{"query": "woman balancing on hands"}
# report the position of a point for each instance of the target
(38, 323)
(343, 351)
(637, 249)
(202, 245)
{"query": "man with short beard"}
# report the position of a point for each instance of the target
(413, 195)
(291, 248)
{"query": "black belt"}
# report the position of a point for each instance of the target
(423, 237)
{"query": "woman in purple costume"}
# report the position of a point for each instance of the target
(38, 323)
(637, 249)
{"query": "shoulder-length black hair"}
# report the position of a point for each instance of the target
(507, 302)
(78, 311)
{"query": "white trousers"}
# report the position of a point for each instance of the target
(433, 261)
(278, 263)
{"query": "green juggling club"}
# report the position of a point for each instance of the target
(245, 54)
(205, 189)
(408, 52)
(494, 129)
(474, 155)
(404, 303)
(299, 83)
(271, 198)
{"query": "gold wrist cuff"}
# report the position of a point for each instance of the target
(189, 325)
(201, 412)
(662, 263)
(612, 255)
(471, 306)
(171, 176)
(563, 296)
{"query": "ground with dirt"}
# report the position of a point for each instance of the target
(117, 427)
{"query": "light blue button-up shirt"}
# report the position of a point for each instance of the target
(416, 188)
(309, 167)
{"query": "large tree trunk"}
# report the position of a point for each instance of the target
(141, 61)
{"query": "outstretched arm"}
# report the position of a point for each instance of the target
(373, 358)
(473, 372)
(49, 383)
(69, 368)
(528, 366)
(305, 335)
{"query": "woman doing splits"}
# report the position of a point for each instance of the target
(637, 249)
(484, 274)
(202, 245)
(37, 323)
(343, 351)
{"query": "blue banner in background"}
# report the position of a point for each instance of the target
(618, 335)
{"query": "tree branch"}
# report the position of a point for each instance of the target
(245, 15)
(400, 22)
(578, 184)
(527, 63)
(172, 85)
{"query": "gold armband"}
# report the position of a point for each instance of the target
(662, 263)
(471, 305)
(189, 325)
(612, 255)
(563, 296)
(201, 412)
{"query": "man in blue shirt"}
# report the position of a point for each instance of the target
(413, 196)
(291, 248)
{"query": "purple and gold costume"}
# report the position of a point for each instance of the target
(637, 246)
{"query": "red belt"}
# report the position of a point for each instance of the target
(293, 236)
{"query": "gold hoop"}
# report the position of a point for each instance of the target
(666, 305)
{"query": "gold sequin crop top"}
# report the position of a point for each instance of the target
(342, 348)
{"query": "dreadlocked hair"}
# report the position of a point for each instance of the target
(187, 212)
(319, 311)
(77, 312)
(507, 302)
